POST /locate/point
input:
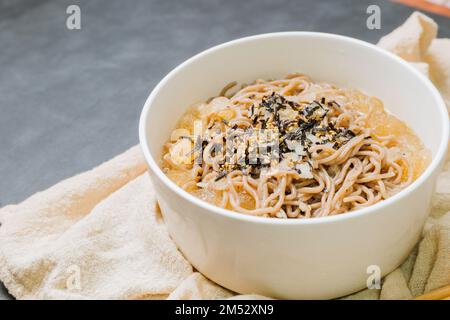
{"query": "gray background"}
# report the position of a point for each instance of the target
(71, 99)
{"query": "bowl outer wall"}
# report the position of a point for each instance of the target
(309, 259)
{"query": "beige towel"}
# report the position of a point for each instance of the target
(415, 41)
(100, 235)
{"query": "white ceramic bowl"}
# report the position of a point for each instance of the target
(300, 259)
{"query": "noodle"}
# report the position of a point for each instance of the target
(326, 150)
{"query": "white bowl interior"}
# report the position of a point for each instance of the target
(335, 59)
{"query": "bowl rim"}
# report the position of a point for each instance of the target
(210, 208)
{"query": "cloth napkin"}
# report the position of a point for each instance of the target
(100, 235)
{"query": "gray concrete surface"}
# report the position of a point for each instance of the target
(71, 99)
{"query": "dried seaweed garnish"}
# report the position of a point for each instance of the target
(333, 103)
(199, 145)
(294, 134)
(306, 123)
(211, 125)
(274, 102)
(298, 126)
(263, 124)
(187, 137)
(221, 175)
(310, 109)
(216, 148)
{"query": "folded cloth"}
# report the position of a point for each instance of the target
(95, 235)
(416, 42)
(100, 235)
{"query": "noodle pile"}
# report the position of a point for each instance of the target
(322, 155)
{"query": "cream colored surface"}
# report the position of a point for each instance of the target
(416, 42)
(99, 234)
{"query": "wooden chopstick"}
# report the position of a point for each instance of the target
(441, 293)
(426, 5)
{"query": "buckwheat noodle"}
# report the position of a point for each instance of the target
(348, 167)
